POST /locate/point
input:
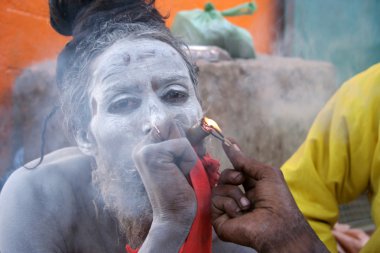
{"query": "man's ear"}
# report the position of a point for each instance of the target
(86, 142)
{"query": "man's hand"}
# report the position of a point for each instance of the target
(350, 240)
(265, 216)
(164, 160)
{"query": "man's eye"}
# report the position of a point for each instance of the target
(174, 96)
(124, 105)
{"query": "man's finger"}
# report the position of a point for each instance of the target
(341, 227)
(227, 205)
(234, 192)
(348, 243)
(175, 131)
(231, 176)
(235, 155)
(362, 236)
(231, 230)
(175, 151)
(242, 163)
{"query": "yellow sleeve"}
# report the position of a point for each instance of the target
(340, 158)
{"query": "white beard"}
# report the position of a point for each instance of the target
(125, 198)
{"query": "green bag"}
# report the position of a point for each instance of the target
(209, 27)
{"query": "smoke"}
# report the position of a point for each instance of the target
(35, 96)
(267, 105)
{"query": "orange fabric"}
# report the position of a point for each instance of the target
(203, 177)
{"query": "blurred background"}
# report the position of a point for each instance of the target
(334, 39)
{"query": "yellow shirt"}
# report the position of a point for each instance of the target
(340, 158)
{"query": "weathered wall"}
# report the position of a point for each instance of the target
(266, 104)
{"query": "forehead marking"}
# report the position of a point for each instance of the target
(126, 59)
(146, 54)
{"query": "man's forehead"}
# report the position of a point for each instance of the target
(124, 52)
(136, 57)
(139, 49)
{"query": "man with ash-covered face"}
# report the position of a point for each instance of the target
(129, 95)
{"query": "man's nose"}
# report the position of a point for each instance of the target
(154, 116)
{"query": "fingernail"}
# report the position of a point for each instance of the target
(227, 142)
(244, 202)
(234, 146)
(237, 176)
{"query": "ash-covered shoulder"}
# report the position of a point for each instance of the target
(62, 174)
(38, 206)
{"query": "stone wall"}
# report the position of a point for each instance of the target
(267, 104)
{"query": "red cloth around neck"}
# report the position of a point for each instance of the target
(203, 177)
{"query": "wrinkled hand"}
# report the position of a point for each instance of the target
(266, 216)
(164, 160)
(349, 240)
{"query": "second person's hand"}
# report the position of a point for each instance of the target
(264, 217)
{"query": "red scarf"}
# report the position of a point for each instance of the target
(203, 177)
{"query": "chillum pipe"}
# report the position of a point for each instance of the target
(196, 134)
(201, 130)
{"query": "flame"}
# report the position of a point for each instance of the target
(208, 123)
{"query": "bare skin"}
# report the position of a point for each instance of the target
(350, 240)
(265, 216)
(113, 189)
(55, 208)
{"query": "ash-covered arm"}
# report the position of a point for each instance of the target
(30, 220)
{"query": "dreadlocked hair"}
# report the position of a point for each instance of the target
(95, 26)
